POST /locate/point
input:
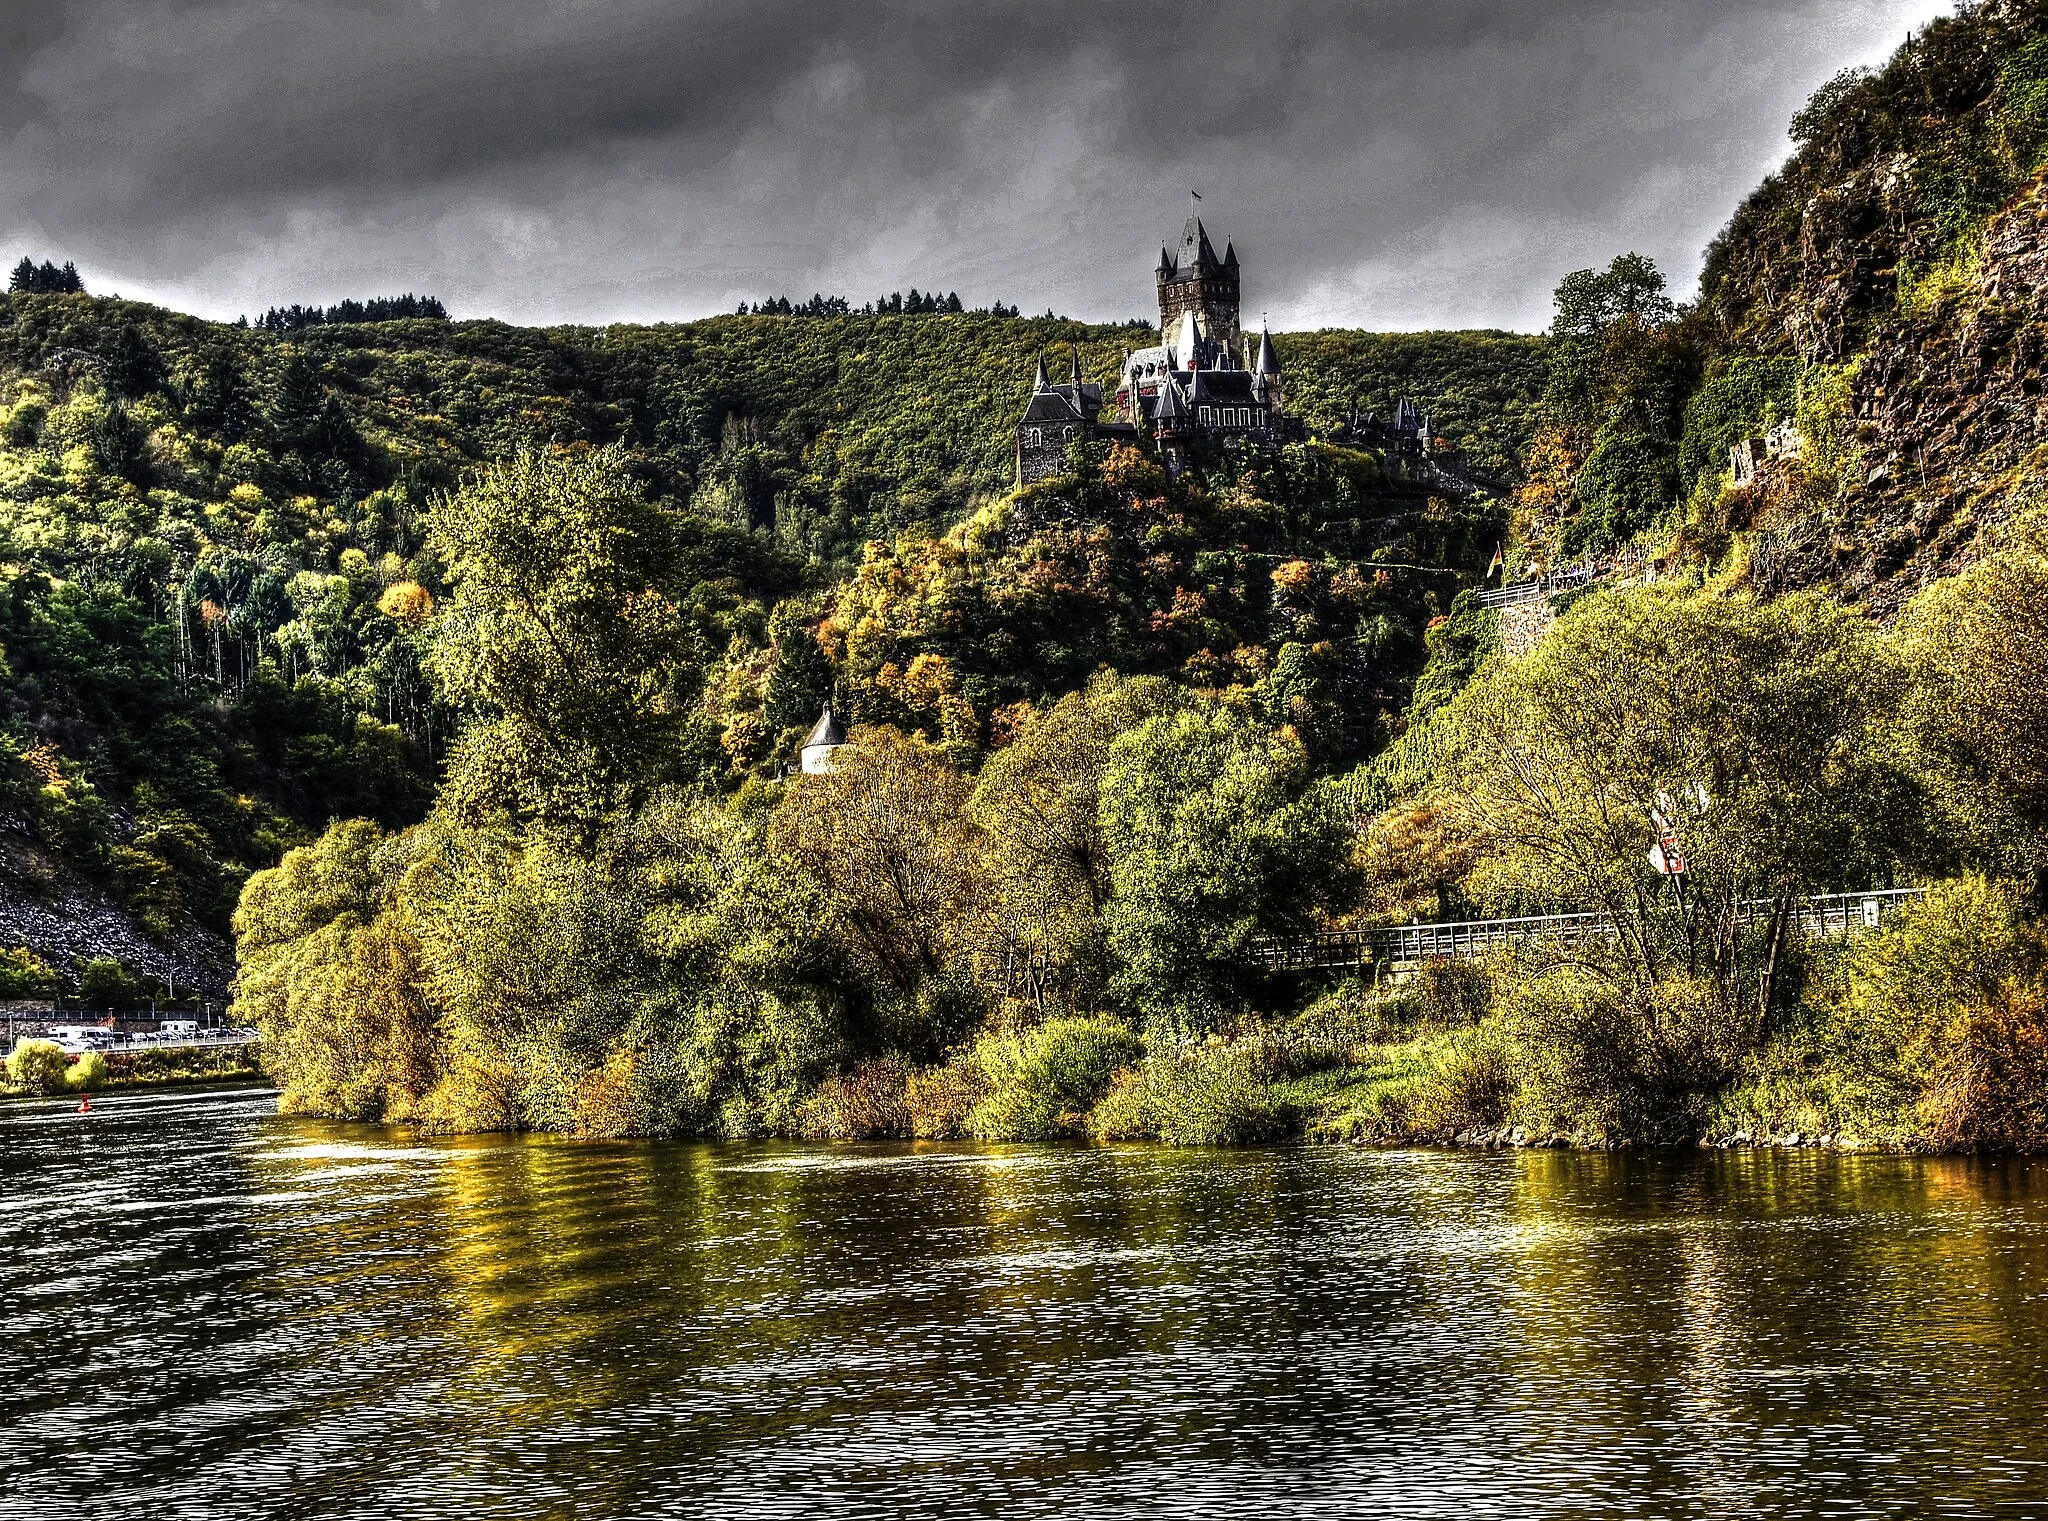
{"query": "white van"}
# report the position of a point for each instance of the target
(78, 1039)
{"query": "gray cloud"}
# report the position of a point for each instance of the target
(1392, 165)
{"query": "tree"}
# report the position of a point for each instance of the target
(134, 368)
(800, 680)
(1617, 358)
(1977, 645)
(38, 1065)
(562, 640)
(1047, 867)
(884, 833)
(1756, 728)
(1216, 832)
(45, 279)
(296, 398)
(221, 399)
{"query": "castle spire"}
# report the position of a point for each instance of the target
(1041, 383)
(1269, 361)
(1077, 375)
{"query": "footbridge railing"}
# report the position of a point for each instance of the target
(1403, 947)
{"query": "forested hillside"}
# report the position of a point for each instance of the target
(218, 584)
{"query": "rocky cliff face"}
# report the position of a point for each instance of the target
(1905, 246)
(1949, 424)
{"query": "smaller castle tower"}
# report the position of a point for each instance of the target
(1266, 367)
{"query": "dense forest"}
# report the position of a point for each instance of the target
(220, 591)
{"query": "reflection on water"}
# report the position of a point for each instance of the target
(213, 1312)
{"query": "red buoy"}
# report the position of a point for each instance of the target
(85, 1103)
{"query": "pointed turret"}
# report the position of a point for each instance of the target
(1171, 415)
(1165, 263)
(1040, 383)
(1076, 380)
(821, 748)
(1268, 361)
(1230, 256)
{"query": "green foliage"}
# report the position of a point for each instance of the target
(38, 1066)
(1977, 646)
(1041, 1084)
(1216, 1094)
(1740, 397)
(87, 1072)
(1216, 833)
(1459, 644)
(103, 983)
(1605, 1064)
(1620, 362)
(45, 279)
(1930, 1033)
(1958, 117)
(1481, 389)
(1627, 484)
(562, 638)
(24, 974)
(1758, 728)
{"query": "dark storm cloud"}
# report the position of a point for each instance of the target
(1397, 164)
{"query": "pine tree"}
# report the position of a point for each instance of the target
(799, 681)
(295, 403)
(221, 401)
(134, 368)
(24, 277)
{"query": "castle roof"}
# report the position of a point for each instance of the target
(1170, 408)
(827, 730)
(1232, 386)
(1197, 254)
(1055, 404)
(1268, 362)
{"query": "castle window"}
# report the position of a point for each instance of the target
(1031, 435)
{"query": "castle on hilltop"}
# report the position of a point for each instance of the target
(1209, 385)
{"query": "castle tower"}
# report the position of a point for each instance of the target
(1197, 281)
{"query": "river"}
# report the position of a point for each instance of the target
(208, 1311)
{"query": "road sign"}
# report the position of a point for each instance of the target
(1666, 858)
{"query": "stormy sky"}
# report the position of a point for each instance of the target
(1382, 164)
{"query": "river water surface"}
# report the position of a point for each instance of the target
(209, 1311)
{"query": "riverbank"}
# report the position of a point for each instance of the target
(235, 1066)
(1443, 1061)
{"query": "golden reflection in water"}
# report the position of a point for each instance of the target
(1702, 1334)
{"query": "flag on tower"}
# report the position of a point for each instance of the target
(1494, 564)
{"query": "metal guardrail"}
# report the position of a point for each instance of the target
(127, 1045)
(1520, 592)
(1403, 947)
